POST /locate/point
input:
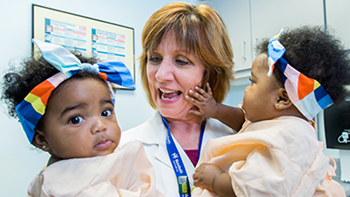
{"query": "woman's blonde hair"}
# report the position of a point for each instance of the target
(201, 31)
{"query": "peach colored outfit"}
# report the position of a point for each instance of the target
(279, 157)
(126, 172)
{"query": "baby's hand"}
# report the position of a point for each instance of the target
(207, 106)
(205, 175)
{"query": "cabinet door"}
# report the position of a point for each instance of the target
(270, 16)
(338, 21)
(236, 15)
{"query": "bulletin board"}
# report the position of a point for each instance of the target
(93, 38)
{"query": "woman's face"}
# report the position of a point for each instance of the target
(171, 73)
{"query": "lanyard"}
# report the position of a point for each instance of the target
(177, 163)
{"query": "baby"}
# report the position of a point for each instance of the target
(66, 107)
(276, 153)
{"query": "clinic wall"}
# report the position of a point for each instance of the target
(20, 161)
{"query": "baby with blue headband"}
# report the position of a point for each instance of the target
(65, 104)
(297, 74)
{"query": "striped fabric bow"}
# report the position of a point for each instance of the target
(305, 93)
(33, 107)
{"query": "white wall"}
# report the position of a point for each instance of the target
(20, 161)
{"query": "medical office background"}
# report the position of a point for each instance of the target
(248, 21)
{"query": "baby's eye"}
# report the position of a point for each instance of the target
(76, 120)
(106, 112)
(251, 81)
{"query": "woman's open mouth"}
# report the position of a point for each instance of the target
(169, 95)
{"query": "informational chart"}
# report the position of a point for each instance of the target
(71, 36)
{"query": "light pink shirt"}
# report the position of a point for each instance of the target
(126, 172)
(279, 157)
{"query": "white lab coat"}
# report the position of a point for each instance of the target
(152, 134)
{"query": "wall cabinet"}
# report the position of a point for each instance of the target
(337, 20)
(236, 15)
(250, 21)
(270, 16)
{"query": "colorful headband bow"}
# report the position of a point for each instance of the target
(305, 93)
(33, 107)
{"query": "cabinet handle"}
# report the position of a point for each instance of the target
(243, 51)
(255, 45)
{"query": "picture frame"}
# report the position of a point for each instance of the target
(92, 37)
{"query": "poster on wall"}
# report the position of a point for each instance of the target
(93, 38)
(108, 45)
(70, 36)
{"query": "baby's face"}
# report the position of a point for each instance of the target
(261, 96)
(80, 120)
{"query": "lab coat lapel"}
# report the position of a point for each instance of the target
(162, 154)
(156, 127)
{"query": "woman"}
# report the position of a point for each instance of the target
(183, 46)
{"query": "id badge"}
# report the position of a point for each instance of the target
(183, 184)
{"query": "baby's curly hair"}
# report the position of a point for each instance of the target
(317, 55)
(21, 80)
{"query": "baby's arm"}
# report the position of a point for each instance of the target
(211, 177)
(208, 107)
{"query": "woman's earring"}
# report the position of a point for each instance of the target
(44, 146)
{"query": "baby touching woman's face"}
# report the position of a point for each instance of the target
(80, 121)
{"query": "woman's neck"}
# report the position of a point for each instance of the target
(186, 132)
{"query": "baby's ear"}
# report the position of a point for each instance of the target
(283, 101)
(39, 140)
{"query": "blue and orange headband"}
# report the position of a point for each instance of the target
(33, 107)
(306, 93)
